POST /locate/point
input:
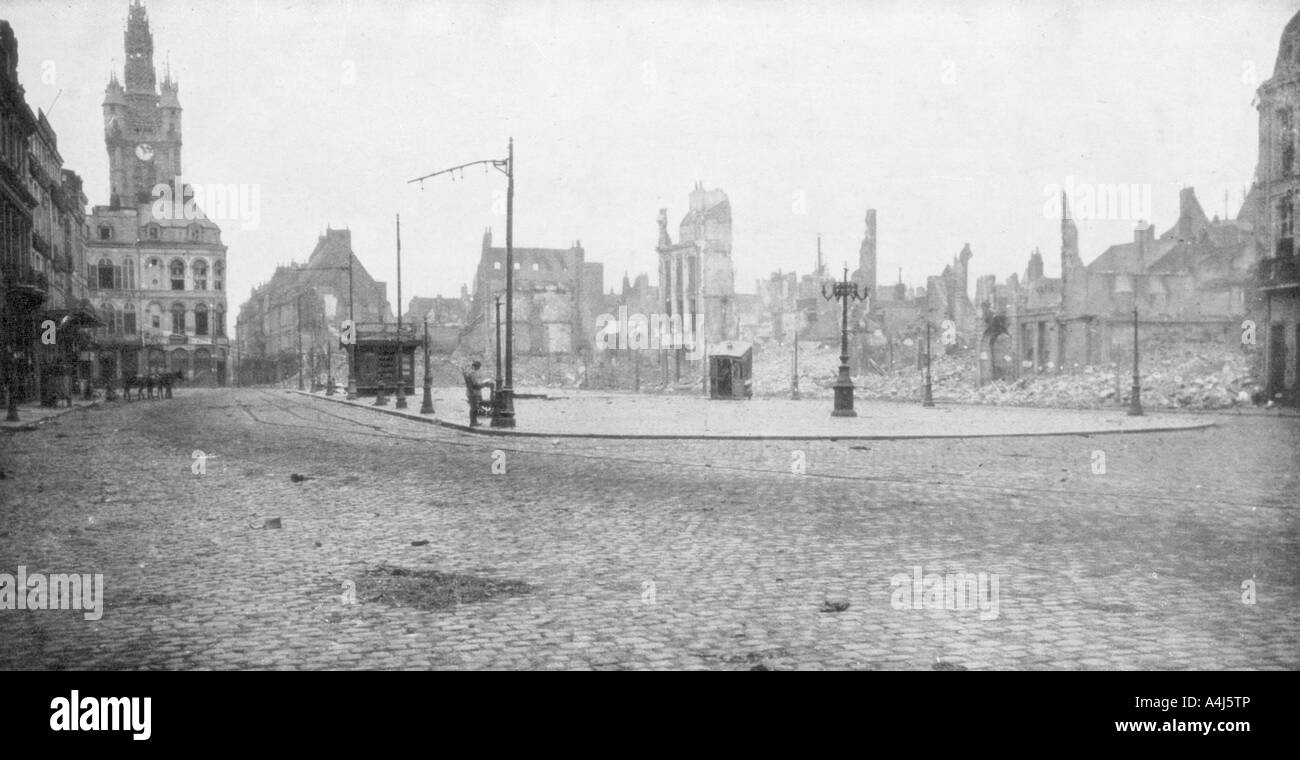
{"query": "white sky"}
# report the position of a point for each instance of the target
(950, 118)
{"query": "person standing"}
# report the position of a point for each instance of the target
(473, 393)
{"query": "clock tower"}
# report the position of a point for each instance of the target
(142, 120)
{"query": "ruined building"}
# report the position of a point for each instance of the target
(558, 295)
(696, 279)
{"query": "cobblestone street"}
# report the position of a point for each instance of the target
(1111, 552)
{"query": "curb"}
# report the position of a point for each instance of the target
(706, 437)
(29, 426)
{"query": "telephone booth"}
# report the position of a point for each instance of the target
(731, 368)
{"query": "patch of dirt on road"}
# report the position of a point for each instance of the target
(432, 589)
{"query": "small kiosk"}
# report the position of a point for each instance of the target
(731, 368)
(383, 356)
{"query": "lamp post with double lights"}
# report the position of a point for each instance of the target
(844, 291)
(504, 413)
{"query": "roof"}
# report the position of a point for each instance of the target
(733, 348)
(1124, 257)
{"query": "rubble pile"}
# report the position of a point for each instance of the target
(1199, 377)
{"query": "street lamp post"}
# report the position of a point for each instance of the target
(845, 291)
(1135, 400)
(401, 350)
(504, 413)
(496, 398)
(794, 372)
(928, 401)
(426, 405)
(298, 313)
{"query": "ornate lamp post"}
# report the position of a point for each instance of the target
(426, 405)
(845, 291)
(928, 401)
(1135, 399)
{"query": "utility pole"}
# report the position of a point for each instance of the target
(504, 414)
(401, 349)
(351, 344)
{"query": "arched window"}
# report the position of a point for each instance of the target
(200, 269)
(178, 317)
(219, 321)
(155, 315)
(201, 319)
(128, 318)
(218, 275)
(105, 274)
(112, 323)
(128, 273)
(178, 274)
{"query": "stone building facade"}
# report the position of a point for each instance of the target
(558, 295)
(43, 308)
(1275, 193)
(302, 308)
(156, 277)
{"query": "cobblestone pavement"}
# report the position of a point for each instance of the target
(643, 554)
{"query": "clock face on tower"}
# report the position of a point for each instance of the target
(144, 151)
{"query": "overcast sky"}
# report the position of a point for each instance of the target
(952, 119)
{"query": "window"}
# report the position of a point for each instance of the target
(105, 274)
(219, 322)
(496, 265)
(201, 319)
(195, 233)
(200, 269)
(218, 275)
(112, 322)
(516, 266)
(155, 316)
(128, 273)
(178, 317)
(153, 232)
(536, 266)
(178, 274)
(105, 232)
(128, 319)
